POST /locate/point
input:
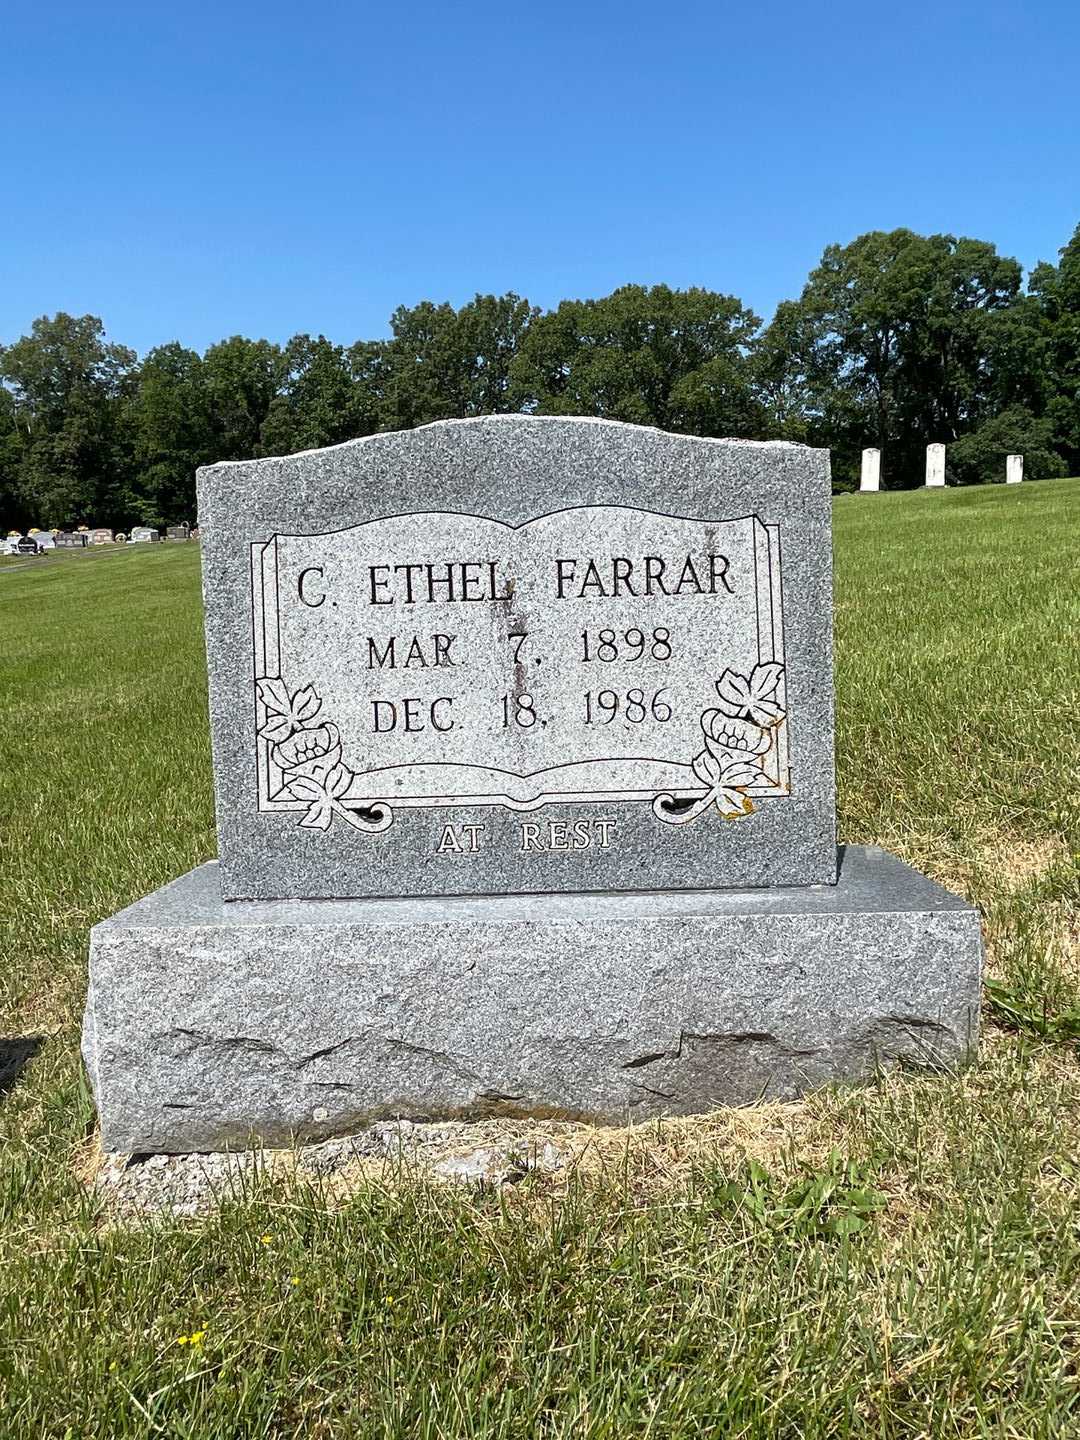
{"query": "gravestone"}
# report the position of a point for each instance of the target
(465, 663)
(523, 754)
(72, 540)
(28, 545)
(177, 532)
(870, 478)
(143, 534)
(935, 465)
(1014, 469)
(46, 540)
(101, 536)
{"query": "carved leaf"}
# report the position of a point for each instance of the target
(734, 692)
(741, 772)
(707, 768)
(319, 816)
(284, 715)
(338, 781)
(751, 699)
(733, 804)
(305, 704)
(732, 800)
(765, 679)
(303, 787)
(276, 729)
(274, 696)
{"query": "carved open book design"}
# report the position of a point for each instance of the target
(598, 653)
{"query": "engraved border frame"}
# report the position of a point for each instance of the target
(266, 658)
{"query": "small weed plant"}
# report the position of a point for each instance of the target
(837, 1200)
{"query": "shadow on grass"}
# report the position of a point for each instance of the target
(15, 1055)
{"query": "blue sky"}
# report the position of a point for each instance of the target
(198, 170)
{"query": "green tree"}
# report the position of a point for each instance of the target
(1055, 291)
(241, 378)
(447, 364)
(784, 390)
(69, 389)
(899, 335)
(12, 511)
(978, 458)
(655, 356)
(318, 402)
(370, 365)
(173, 435)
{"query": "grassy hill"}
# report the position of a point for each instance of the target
(694, 1278)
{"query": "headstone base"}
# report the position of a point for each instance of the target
(211, 1024)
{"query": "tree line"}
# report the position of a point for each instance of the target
(898, 340)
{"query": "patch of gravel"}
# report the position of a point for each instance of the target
(174, 1184)
(487, 1153)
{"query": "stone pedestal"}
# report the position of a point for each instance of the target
(210, 1023)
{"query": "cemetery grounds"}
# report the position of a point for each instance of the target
(899, 1259)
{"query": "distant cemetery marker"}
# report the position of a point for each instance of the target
(935, 465)
(871, 470)
(523, 750)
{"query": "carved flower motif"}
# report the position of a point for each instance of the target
(737, 735)
(311, 752)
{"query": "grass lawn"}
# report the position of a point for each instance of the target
(901, 1259)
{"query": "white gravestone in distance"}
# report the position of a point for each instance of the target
(935, 465)
(870, 479)
(1014, 469)
(539, 711)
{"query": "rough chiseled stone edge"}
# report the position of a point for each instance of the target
(204, 1035)
(510, 466)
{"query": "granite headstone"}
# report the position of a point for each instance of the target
(561, 692)
(521, 655)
